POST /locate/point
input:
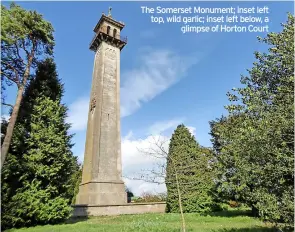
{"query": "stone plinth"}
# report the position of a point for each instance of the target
(130, 208)
(102, 193)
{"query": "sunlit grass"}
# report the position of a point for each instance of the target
(220, 222)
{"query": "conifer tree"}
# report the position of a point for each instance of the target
(76, 181)
(37, 178)
(3, 127)
(188, 166)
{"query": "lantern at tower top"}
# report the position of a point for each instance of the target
(109, 30)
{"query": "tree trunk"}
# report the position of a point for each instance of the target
(254, 211)
(12, 120)
(179, 199)
(10, 127)
(180, 204)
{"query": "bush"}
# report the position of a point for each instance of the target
(35, 206)
(149, 197)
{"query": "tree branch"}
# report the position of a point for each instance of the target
(6, 104)
(15, 80)
(24, 47)
(17, 52)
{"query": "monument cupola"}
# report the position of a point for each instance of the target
(109, 30)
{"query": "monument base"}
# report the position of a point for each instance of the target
(102, 193)
(128, 208)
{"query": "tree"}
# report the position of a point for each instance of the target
(49, 162)
(216, 141)
(158, 150)
(188, 165)
(76, 179)
(25, 38)
(187, 169)
(256, 139)
(3, 127)
(40, 162)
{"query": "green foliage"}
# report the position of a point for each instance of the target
(191, 163)
(25, 38)
(149, 197)
(76, 181)
(255, 142)
(46, 83)
(3, 127)
(45, 156)
(40, 167)
(48, 163)
(36, 205)
(20, 26)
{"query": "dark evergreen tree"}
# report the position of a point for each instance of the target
(216, 141)
(37, 176)
(189, 165)
(4, 124)
(76, 181)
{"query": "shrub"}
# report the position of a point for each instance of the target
(149, 197)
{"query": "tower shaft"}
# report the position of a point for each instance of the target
(102, 169)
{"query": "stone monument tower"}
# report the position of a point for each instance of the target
(102, 172)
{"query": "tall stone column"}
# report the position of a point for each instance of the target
(102, 169)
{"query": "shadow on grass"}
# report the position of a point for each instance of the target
(75, 219)
(231, 213)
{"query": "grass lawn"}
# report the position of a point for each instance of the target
(219, 222)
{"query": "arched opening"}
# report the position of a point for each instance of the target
(114, 33)
(108, 30)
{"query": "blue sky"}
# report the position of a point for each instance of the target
(202, 68)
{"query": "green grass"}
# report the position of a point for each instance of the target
(235, 221)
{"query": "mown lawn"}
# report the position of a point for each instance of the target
(236, 221)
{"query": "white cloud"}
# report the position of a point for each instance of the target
(78, 114)
(136, 162)
(158, 71)
(133, 155)
(5, 116)
(128, 136)
(80, 157)
(192, 130)
(160, 127)
(138, 187)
